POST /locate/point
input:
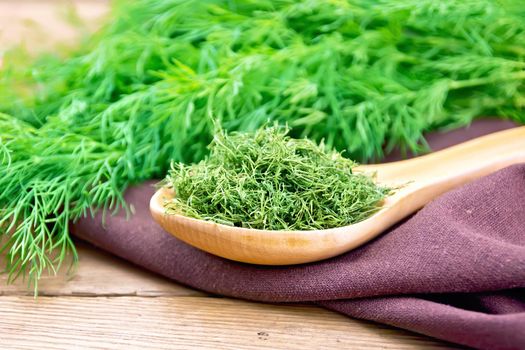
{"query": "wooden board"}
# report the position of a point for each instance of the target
(99, 274)
(185, 322)
(111, 304)
(39, 24)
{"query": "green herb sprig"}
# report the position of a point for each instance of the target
(365, 76)
(267, 180)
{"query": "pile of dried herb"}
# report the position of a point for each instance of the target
(267, 180)
(364, 75)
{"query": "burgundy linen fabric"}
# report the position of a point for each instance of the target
(454, 271)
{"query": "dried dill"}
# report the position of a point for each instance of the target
(268, 180)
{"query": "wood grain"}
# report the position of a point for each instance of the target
(108, 303)
(182, 323)
(40, 24)
(112, 304)
(99, 274)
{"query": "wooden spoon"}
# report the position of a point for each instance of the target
(422, 179)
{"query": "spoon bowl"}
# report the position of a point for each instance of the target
(419, 180)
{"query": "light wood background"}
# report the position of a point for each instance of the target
(108, 303)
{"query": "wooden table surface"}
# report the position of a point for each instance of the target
(111, 304)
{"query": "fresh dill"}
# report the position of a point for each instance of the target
(267, 180)
(365, 76)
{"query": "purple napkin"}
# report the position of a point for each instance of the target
(454, 271)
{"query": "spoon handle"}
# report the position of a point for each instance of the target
(457, 164)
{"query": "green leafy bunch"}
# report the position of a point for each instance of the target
(364, 75)
(267, 180)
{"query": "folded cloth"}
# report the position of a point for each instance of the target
(454, 271)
